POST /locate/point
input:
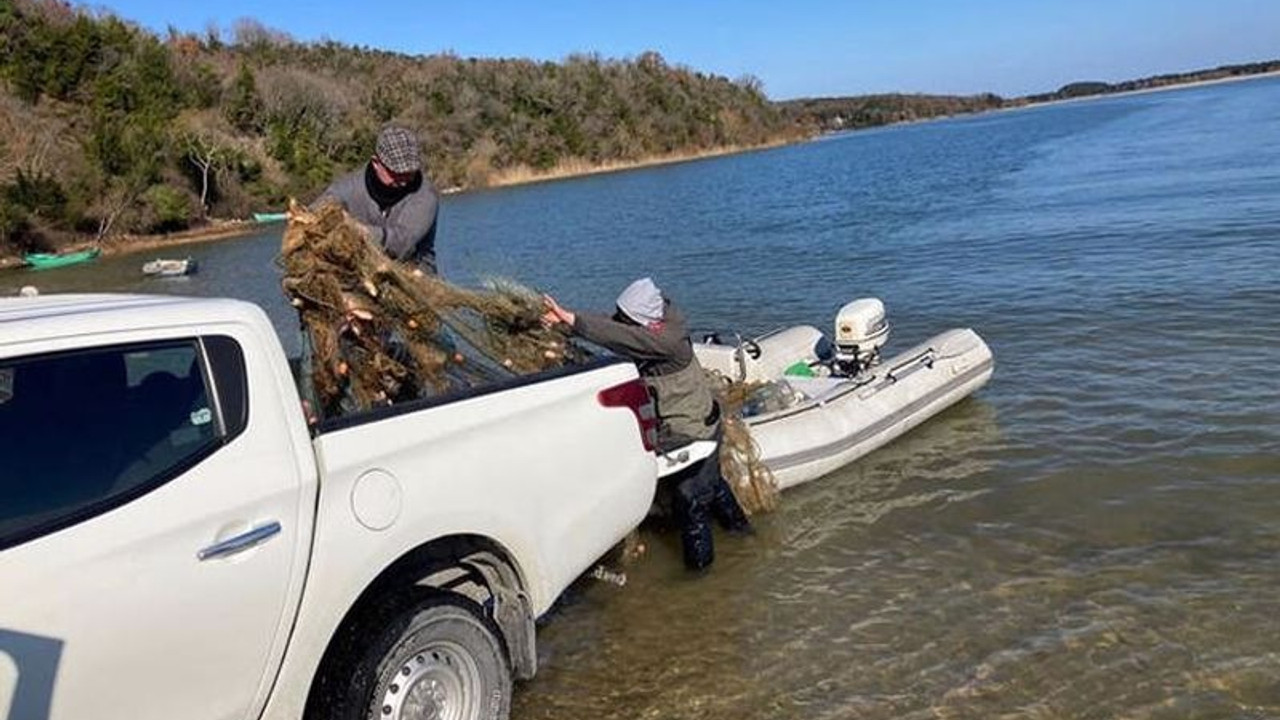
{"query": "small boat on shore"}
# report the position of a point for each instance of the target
(46, 261)
(817, 405)
(270, 217)
(169, 268)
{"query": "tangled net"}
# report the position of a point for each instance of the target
(382, 332)
(749, 478)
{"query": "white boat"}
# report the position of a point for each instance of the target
(169, 268)
(825, 404)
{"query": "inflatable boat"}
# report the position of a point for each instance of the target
(169, 268)
(818, 404)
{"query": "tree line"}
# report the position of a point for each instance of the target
(864, 111)
(108, 128)
(831, 114)
(1094, 87)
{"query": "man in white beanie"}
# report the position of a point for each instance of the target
(647, 328)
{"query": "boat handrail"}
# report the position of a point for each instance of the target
(925, 355)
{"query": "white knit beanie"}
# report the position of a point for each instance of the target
(642, 301)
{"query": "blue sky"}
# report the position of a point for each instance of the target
(800, 48)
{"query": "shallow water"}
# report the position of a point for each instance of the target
(1096, 534)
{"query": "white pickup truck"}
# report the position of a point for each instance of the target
(177, 542)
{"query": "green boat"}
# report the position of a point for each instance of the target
(269, 217)
(44, 261)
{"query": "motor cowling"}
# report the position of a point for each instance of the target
(861, 330)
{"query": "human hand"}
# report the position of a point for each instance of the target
(309, 413)
(555, 313)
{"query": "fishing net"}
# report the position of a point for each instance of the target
(740, 464)
(381, 332)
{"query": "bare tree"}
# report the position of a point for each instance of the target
(119, 197)
(751, 84)
(213, 35)
(296, 99)
(207, 154)
(28, 140)
(209, 145)
(249, 33)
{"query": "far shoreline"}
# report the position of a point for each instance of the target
(1144, 91)
(1048, 103)
(232, 229)
(511, 177)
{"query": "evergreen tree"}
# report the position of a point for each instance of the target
(243, 107)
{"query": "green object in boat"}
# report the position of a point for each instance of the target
(800, 369)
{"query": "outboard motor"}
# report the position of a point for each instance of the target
(861, 330)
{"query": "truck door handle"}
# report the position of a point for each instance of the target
(241, 542)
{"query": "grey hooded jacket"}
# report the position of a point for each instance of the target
(406, 230)
(666, 361)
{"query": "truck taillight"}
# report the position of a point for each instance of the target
(634, 396)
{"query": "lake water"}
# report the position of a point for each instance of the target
(1096, 534)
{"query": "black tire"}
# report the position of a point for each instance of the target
(441, 655)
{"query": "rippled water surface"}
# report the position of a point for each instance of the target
(1096, 534)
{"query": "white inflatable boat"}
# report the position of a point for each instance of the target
(825, 404)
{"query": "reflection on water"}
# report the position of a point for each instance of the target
(925, 582)
(1096, 534)
(672, 646)
(1093, 535)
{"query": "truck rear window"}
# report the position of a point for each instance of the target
(84, 431)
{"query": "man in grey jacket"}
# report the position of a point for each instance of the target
(392, 197)
(649, 329)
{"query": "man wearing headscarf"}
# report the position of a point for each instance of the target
(648, 328)
(392, 197)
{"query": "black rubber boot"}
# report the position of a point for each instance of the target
(693, 514)
(697, 544)
(725, 508)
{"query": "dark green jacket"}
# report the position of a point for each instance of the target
(666, 361)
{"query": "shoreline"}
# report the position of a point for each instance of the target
(231, 229)
(227, 230)
(129, 244)
(510, 177)
(1048, 103)
(1143, 91)
(573, 169)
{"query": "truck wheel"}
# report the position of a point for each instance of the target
(441, 660)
